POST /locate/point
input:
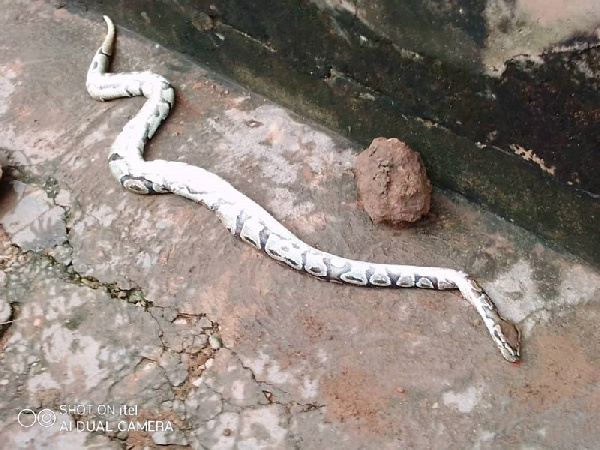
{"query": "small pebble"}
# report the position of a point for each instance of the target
(214, 342)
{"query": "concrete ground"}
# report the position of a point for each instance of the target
(138, 321)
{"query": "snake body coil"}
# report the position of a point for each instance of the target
(244, 218)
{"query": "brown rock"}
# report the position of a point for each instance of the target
(392, 182)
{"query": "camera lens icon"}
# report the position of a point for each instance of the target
(46, 418)
(28, 417)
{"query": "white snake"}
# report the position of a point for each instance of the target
(246, 219)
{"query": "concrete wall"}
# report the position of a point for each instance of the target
(499, 96)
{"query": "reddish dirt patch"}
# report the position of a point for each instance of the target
(313, 327)
(561, 373)
(355, 396)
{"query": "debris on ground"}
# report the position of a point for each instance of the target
(392, 182)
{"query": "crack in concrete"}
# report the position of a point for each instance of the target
(271, 389)
(48, 184)
(135, 295)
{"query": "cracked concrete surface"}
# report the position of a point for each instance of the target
(112, 299)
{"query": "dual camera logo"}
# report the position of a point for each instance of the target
(28, 418)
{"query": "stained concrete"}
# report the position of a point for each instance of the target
(143, 310)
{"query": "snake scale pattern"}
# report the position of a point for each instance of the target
(243, 217)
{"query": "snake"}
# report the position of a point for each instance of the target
(244, 218)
